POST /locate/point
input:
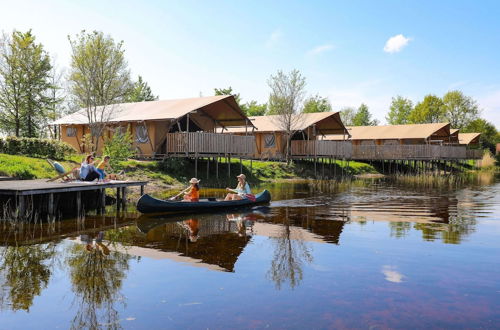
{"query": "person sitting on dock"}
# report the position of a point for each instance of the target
(103, 165)
(242, 190)
(193, 194)
(88, 172)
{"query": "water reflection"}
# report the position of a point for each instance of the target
(24, 272)
(313, 234)
(96, 277)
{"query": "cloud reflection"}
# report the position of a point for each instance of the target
(391, 274)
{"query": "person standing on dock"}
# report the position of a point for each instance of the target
(88, 172)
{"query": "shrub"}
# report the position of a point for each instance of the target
(119, 147)
(34, 147)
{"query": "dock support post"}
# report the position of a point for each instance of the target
(142, 189)
(21, 206)
(51, 205)
(118, 198)
(124, 197)
(102, 205)
(78, 203)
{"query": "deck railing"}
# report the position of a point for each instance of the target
(398, 152)
(320, 148)
(475, 153)
(201, 143)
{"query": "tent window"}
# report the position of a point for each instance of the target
(70, 131)
(141, 134)
(269, 141)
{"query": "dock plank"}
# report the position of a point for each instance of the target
(36, 187)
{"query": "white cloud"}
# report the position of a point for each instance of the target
(273, 38)
(396, 44)
(320, 49)
(391, 274)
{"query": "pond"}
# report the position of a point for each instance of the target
(365, 254)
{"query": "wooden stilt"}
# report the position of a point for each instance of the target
(50, 208)
(124, 197)
(142, 190)
(21, 206)
(118, 199)
(78, 203)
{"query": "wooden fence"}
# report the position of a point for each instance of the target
(345, 150)
(320, 148)
(200, 143)
(416, 152)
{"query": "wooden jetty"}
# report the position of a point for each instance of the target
(40, 195)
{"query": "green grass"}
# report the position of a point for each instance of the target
(23, 167)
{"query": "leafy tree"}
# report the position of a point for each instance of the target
(25, 71)
(317, 103)
(140, 92)
(489, 134)
(287, 93)
(460, 110)
(347, 115)
(363, 117)
(430, 110)
(228, 91)
(119, 146)
(253, 108)
(99, 78)
(399, 111)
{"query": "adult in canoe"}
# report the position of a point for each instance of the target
(242, 190)
(193, 194)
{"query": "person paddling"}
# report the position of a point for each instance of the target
(242, 190)
(193, 192)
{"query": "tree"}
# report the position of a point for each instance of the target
(25, 71)
(228, 91)
(363, 117)
(99, 78)
(459, 109)
(119, 147)
(140, 92)
(489, 134)
(430, 110)
(347, 115)
(57, 95)
(285, 99)
(317, 103)
(253, 108)
(399, 111)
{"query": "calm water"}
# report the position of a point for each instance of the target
(362, 255)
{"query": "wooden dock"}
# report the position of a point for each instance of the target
(42, 194)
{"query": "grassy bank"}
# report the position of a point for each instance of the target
(178, 171)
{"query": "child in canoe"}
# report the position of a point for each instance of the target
(193, 192)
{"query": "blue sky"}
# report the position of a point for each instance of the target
(184, 48)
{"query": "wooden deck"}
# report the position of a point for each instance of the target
(35, 187)
(24, 197)
(345, 150)
(204, 144)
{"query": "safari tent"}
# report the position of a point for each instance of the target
(169, 127)
(435, 133)
(270, 134)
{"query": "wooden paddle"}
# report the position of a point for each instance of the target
(182, 192)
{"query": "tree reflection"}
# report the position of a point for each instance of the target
(289, 257)
(96, 279)
(24, 272)
(400, 229)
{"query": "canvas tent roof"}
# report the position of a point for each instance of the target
(396, 132)
(326, 123)
(468, 138)
(222, 108)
